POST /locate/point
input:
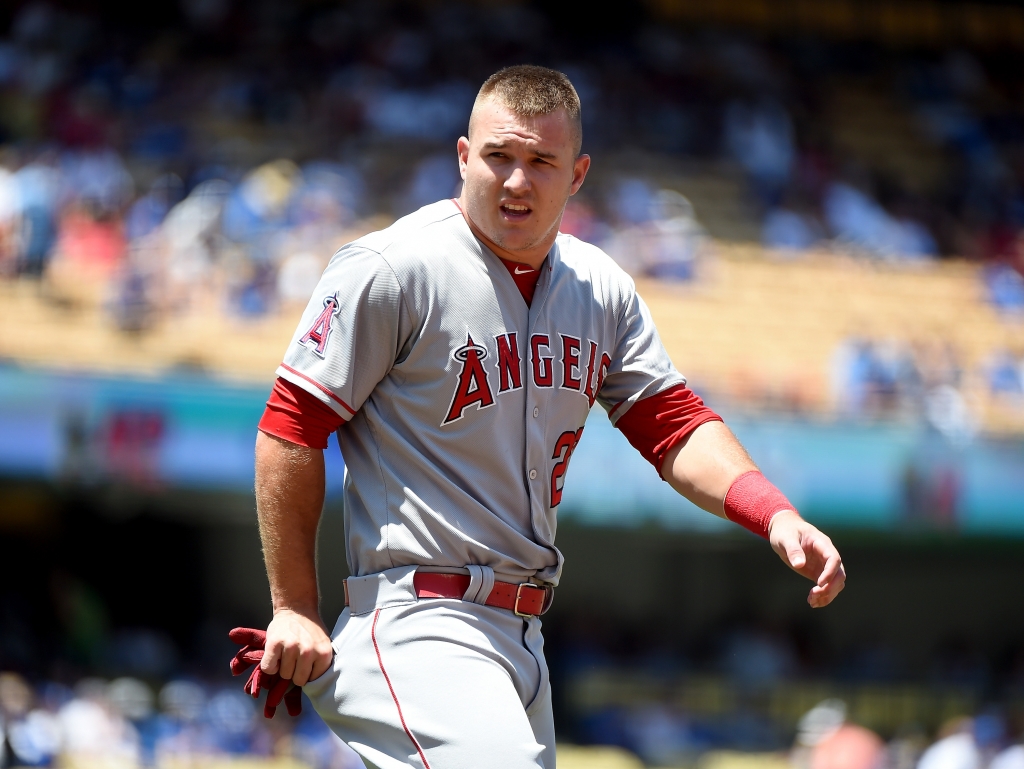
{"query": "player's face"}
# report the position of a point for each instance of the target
(518, 173)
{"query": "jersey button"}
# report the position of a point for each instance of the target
(533, 475)
(536, 412)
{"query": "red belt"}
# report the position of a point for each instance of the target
(524, 599)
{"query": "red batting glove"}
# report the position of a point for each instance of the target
(253, 643)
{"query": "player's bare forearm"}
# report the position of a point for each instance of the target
(289, 499)
(705, 464)
(704, 467)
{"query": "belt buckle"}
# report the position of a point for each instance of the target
(519, 594)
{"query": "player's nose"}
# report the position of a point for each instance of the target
(517, 181)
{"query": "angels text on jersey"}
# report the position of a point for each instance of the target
(550, 363)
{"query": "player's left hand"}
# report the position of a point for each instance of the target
(810, 553)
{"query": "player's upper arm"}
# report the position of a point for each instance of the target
(640, 366)
(352, 331)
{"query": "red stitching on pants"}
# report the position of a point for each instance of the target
(373, 637)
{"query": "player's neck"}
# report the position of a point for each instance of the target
(534, 257)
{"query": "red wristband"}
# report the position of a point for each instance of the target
(753, 501)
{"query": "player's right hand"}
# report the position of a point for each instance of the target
(298, 647)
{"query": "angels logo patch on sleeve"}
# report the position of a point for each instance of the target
(316, 338)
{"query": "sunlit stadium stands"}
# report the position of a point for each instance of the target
(755, 328)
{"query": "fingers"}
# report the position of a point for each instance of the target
(271, 662)
(297, 649)
(832, 578)
(832, 564)
(322, 664)
(792, 551)
(312, 662)
(289, 657)
(822, 595)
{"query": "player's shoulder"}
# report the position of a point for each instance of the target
(589, 264)
(413, 232)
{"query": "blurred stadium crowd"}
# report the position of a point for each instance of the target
(121, 723)
(647, 703)
(218, 157)
(754, 686)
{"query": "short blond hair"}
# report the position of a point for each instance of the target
(529, 90)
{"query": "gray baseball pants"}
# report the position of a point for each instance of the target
(436, 683)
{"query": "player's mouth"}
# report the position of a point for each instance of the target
(515, 212)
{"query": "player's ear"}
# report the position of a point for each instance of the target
(463, 149)
(580, 167)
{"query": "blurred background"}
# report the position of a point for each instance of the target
(821, 200)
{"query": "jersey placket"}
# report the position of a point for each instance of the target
(538, 400)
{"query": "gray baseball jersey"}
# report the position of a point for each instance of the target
(463, 404)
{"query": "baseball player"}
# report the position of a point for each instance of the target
(457, 354)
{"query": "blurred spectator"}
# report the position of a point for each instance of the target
(849, 747)
(140, 651)
(892, 378)
(90, 244)
(35, 740)
(190, 239)
(92, 730)
(856, 218)
(315, 744)
(1005, 289)
(431, 113)
(760, 137)
(298, 276)
(1006, 374)
(148, 212)
(789, 230)
(660, 735)
(39, 187)
(1010, 758)
(96, 178)
(579, 220)
(661, 237)
(331, 195)
(948, 412)
(256, 208)
(756, 657)
(15, 696)
(875, 379)
(10, 210)
(231, 716)
(825, 740)
(434, 178)
(966, 743)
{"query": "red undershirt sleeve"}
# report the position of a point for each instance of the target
(654, 425)
(294, 415)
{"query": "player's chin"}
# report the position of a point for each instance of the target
(517, 238)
